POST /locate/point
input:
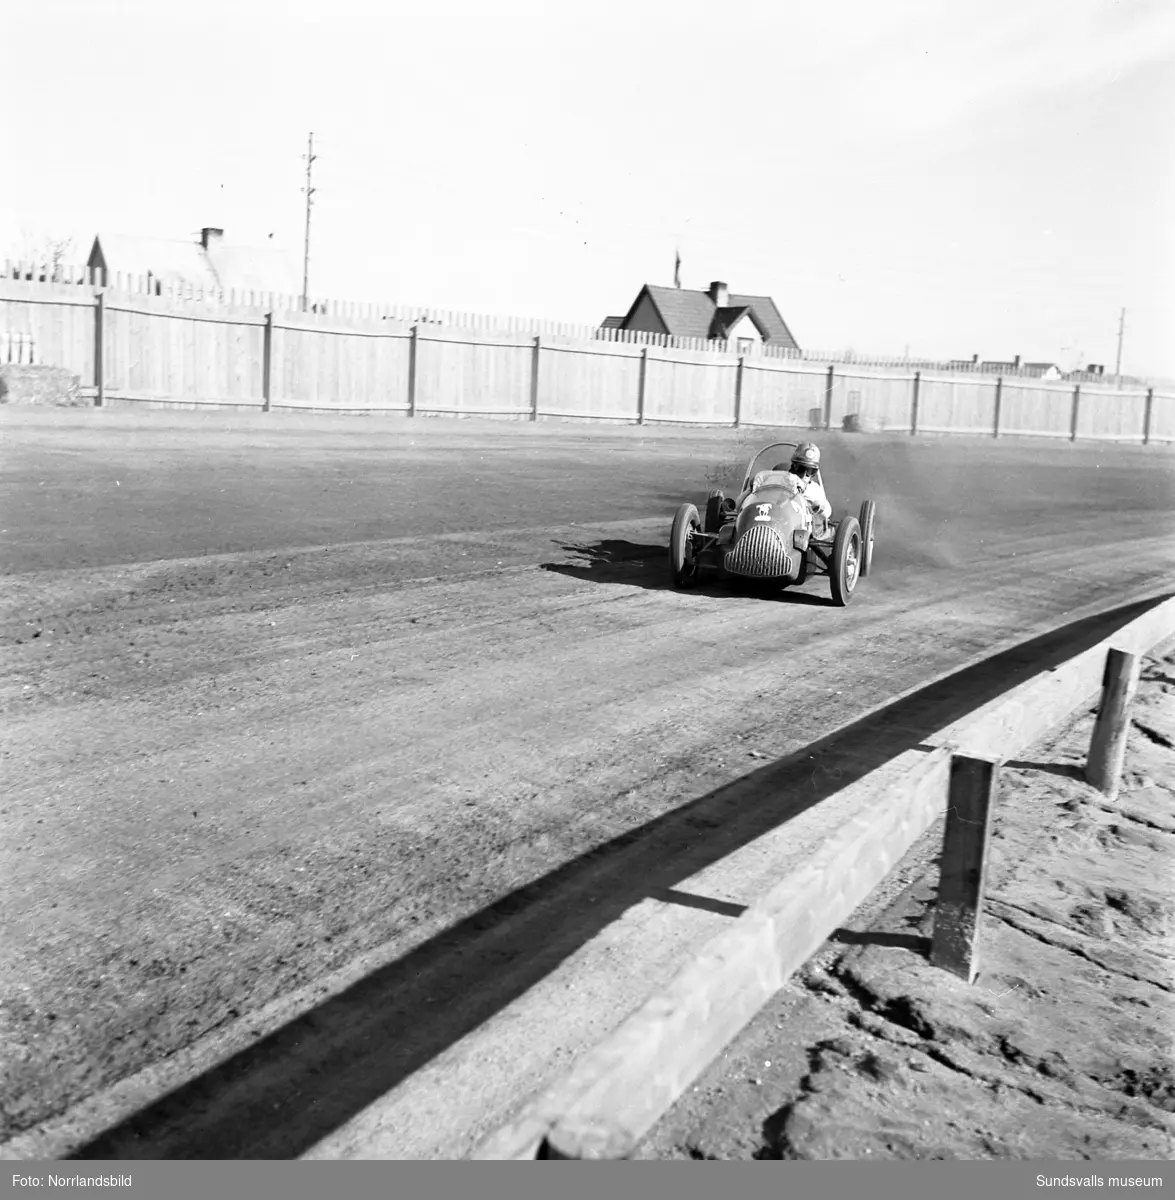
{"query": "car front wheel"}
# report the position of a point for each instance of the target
(683, 562)
(714, 506)
(868, 515)
(844, 567)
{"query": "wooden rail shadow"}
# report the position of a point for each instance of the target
(297, 1085)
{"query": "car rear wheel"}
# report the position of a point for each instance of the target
(844, 565)
(714, 512)
(683, 562)
(868, 512)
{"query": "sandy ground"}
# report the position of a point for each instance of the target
(1060, 1049)
(328, 744)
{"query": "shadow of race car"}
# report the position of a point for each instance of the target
(774, 537)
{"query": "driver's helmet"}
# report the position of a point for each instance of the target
(805, 462)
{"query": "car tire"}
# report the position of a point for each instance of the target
(868, 514)
(683, 564)
(714, 512)
(844, 564)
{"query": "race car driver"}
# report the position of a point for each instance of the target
(805, 467)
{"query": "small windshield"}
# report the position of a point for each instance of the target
(781, 480)
(778, 454)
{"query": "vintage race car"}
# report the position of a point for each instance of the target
(774, 536)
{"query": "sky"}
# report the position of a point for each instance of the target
(991, 177)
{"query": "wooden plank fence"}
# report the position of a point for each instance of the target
(137, 341)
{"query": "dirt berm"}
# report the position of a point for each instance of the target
(1062, 1048)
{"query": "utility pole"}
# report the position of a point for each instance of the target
(309, 156)
(1118, 364)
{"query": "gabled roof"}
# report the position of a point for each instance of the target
(684, 313)
(246, 268)
(768, 319)
(726, 318)
(691, 314)
(166, 259)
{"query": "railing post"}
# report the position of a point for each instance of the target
(738, 391)
(959, 908)
(267, 362)
(100, 349)
(412, 344)
(914, 404)
(534, 378)
(1076, 412)
(1107, 747)
(640, 395)
(829, 384)
(1146, 417)
(999, 396)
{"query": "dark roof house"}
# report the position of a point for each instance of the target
(210, 263)
(714, 313)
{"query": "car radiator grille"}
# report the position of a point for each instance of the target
(759, 553)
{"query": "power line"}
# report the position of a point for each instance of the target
(309, 156)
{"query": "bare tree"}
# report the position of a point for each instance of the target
(43, 256)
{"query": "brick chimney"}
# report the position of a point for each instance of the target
(1016, 361)
(209, 236)
(720, 294)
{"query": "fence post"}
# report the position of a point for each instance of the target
(100, 349)
(1146, 417)
(1076, 412)
(412, 344)
(957, 913)
(640, 395)
(829, 384)
(738, 391)
(1107, 747)
(914, 404)
(534, 378)
(999, 396)
(267, 362)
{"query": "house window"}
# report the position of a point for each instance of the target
(745, 345)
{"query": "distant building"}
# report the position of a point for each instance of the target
(1034, 370)
(714, 313)
(1042, 370)
(210, 263)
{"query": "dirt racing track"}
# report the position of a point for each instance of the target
(359, 775)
